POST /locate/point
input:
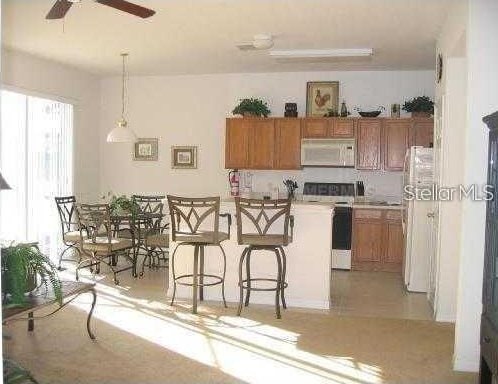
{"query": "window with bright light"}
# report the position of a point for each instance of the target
(36, 159)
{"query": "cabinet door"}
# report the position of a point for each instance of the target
(237, 143)
(422, 133)
(315, 127)
(393, 253)
(288, 143)
(367, 243)
(396, 139)
(261, 143)
(343, 128)
(368, 144)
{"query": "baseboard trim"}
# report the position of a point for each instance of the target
(465, 365)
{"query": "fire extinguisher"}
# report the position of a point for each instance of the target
(234, 180)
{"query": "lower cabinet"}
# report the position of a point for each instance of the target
(377, 240)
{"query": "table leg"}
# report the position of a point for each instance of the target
(90, 333)
(31, 322)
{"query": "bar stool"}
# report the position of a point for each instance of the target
(195, 222)
(270, 221)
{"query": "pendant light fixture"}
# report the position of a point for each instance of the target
(121, 133)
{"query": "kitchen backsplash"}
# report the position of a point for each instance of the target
(378, 184)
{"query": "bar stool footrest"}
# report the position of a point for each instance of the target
(244, 284)
(179, 279)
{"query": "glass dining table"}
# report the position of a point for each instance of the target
(135, 227)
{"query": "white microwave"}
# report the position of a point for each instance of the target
(328, 152)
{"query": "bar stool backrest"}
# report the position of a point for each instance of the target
(262, 217)
(192, 216)
(66, 206)
(94, 221)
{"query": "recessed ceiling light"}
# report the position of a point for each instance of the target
(312, 53)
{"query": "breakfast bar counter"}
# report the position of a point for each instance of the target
(308, 261)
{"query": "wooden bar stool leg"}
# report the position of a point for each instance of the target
(195, 278)
(279, 283)
(201, 273)
(248, 276)
(241, 284)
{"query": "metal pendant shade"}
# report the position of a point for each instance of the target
(3, 183)
(121, 133)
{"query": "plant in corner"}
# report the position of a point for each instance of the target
(421, 106)
(22, 266)
(252, 107)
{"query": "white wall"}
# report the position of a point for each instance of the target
(482, 64)
(191, 110)
(452, 89)
(49, 79)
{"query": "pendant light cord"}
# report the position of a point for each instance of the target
(123, 89)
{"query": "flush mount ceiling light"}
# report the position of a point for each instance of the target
(321, 53)
(259, 42)
(121, 133)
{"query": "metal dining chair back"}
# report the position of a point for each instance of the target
(149, 203)
(66, 207)
(94, 221)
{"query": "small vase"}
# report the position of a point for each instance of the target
(421, 114)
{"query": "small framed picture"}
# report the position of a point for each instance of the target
(184, 157)
(145, 149)
(322, 98)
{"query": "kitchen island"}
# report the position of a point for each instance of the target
(308, 261)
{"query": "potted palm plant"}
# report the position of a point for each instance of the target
(23, 267)
(252, 108)
(421, 106)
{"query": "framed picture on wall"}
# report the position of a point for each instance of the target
(145, 149)
(322, 97)
(184, 157)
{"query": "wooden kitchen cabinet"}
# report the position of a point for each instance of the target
(287, 143)
(396, 139)
(368, 143)
(262, 144)
(237, 143)
(377, 241)
(342, 128)
(315, 127)
(422, 132)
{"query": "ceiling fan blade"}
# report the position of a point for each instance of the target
(59, 10)
(128, 7)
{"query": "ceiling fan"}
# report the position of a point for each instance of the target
(61, 7)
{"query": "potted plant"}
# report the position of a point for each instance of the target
(421, 106)
(252, 107)
(123, 205)
(22, 267)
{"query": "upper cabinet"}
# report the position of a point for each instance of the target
(396, 134)
(237, 143)
(422, 132)
(326, 127)
(368, 143)
(275, 143)
(287, 143)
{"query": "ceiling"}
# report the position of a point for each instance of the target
(199, 36)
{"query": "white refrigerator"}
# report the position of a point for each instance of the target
(417, 181)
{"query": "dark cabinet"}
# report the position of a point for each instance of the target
(489, 318)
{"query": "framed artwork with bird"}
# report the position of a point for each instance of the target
(322, 98)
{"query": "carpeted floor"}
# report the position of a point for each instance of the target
(141, 339)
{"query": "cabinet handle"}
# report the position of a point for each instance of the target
(486, 339)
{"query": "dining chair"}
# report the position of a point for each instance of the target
(195, 222)
(66, 207)
(156, 237)
(263, 225)
(97, 242)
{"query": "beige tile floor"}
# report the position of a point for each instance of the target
(376, 294)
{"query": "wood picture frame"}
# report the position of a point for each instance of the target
(146, 149)
(183, 157)
(321, 97)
